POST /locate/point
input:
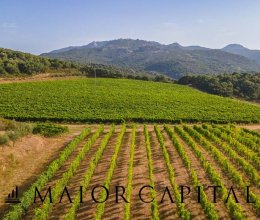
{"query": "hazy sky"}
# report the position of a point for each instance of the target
(39, 26)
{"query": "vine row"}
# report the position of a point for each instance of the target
(101, 206)
(183, 213)
(127, 214)
(248, 169)
(88, 175)
(154, 205)
(27, 199)
(207, 206)
(224, 163)
(43, 212)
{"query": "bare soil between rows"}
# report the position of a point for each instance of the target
(33, 154)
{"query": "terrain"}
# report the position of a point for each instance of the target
(240, 85)
(127, 154)
(16, 65)
(243, 51)
(16, 62)
(158, 155)
(173, 60)
(118, 100)
(31, 153)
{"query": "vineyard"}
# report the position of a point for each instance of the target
(117, 101)
(108, 165)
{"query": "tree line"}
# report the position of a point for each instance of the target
(241, 85)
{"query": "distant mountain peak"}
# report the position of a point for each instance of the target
(175, 44)
(96, 44)
(243, 51)
(235, 47)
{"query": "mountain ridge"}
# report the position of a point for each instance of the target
(173, 59)
(243, 51)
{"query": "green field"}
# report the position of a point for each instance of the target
(117, 100)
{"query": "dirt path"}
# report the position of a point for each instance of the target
(30, 156)
(251, 127)
(182, 178)
(140, 210)
(112, 209)
(167, 210)
(87, 209)
(247, 208)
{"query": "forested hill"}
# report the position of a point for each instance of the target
(16, 62)
(246, 86)
(173, 60)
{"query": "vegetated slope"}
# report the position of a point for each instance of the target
(16, 62)
(244, 85)
(173, 59)
(116, 100)
(243, 51)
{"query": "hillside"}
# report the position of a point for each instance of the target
(173, 59)
(117, 100)
(243, 51)
(246, 86)
(16, 62)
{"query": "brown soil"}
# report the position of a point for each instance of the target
(33, 154)
(182, 178)
(251, 127)
(22, 164)
(51, 183)
(87, 209)
(140, 210)
(167, 209)
(112, 209)
(59, 209)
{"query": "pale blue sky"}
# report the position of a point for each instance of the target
(39, 26)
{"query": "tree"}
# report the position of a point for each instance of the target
(12, 68)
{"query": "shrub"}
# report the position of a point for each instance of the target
(2, 125)
(13, 136)
(4, 139)
(10, 125)
(24, 129)
(49, 130)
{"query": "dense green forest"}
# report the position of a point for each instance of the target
(15, 62)
(242, 85)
